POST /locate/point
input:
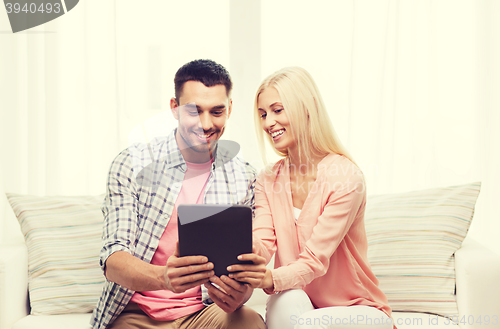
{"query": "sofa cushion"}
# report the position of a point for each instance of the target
(412, 238)
(63, 237)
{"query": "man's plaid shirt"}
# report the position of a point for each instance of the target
(143, 184)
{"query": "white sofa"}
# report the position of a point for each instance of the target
(406, 232)
(477, 293)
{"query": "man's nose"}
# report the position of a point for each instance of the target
(206, 122)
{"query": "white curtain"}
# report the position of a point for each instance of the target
(411, 86)
(59, 103)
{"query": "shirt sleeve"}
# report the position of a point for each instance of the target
(264, 236)
(119, 209)
(346, 198)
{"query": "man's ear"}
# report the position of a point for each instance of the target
(174, 108)
(230, 108)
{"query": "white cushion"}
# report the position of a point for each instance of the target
(63, 236)
(412, 238)
(65, 321)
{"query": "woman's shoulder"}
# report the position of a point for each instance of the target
(271, 171)
(338, 167)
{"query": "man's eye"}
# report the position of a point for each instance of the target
(218, 112)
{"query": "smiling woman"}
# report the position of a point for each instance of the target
(309, 214)
(274, 119)
(290, 112)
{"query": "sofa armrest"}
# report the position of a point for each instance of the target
(13, 283)
(478, 286)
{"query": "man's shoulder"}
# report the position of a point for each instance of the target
(229, 152)
(243, 165)
(141, 150)
(142, 154)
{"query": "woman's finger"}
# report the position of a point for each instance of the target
(253, 275)
(246, 267)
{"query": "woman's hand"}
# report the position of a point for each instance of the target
(253, 274)
(267, 283)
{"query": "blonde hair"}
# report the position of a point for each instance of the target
(306, 112)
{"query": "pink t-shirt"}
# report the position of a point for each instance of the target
(165, 305)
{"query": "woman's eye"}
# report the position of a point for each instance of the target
(278, 110)
(263, 115)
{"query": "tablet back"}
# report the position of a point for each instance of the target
(220, 232)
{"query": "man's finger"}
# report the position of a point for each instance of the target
(176, 252)
(181, 280)
(221, 295)
(186, 261)
(233, 284)
(212, 292)
(191, 269)
(183, 287)
(219, 282)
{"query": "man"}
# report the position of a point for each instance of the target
(148, 285)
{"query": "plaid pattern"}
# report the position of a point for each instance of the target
(143, 184)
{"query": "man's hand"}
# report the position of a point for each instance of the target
(183, 273)
(253, 274)
(231, 296)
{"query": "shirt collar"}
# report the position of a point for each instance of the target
(173, 156)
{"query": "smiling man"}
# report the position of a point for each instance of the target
(202, 117)
(148, 285)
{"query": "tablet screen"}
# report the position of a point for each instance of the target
(220, 232)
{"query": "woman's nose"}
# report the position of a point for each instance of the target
(269, 122)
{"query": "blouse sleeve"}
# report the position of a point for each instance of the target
(346, 196)
(264, 237)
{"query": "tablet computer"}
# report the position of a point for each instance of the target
(220, 232)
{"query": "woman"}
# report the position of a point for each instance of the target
(309, 213)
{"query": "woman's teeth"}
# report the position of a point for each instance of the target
(277, 133)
